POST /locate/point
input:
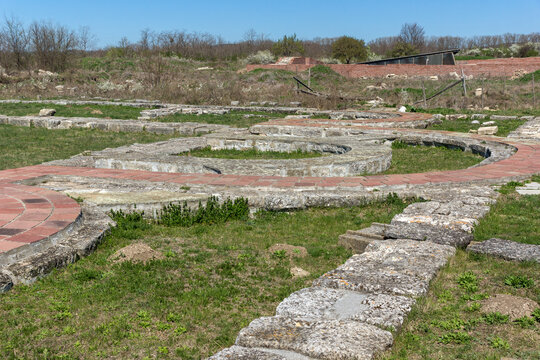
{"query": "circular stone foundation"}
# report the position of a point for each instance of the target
(344, 156)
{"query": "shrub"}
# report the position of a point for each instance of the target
(288, 46)
(402, 49)
(212, 213)
(261, 57)
(527, 50)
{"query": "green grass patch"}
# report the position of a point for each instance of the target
(97, 111)
(473, 57)
(252, 154)
(449, 322)
(528, 77)
(240, 119)
(23, 146)
(408, 159)
(213, 280)
(464, 125)
(447, 111)
(513, 217)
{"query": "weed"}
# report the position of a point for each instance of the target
(468, 282)
(525, 322)
(211, 213)
(280, 254)
(519, 281)
(495, 318)
(536, 314)
(473, 307)
(498, 343)
(455, 337)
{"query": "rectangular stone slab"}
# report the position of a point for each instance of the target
(320, 339)
(395, 267)
(324, 303)
(242, 353)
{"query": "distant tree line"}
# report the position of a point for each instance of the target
(55, 47)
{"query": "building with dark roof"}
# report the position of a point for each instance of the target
(444, 57)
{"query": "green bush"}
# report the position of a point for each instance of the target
(347, 49)
(288, 46)
(212, 213)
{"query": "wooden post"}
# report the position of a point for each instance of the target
(424, 94)
(534, 95)
(463, 82)
(482, 94)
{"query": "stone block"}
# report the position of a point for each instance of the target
(394, 267)
(47, 112)
(319, 339)
(324, 303)
(488, 130)
(506, 249)
(241, 353)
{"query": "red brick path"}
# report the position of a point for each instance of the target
(29, 214)
(494, 67)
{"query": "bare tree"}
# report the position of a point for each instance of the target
(15, 40)
(86, 40)
(413, 34)
(52, 45)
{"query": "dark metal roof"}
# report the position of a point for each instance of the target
(410, 59)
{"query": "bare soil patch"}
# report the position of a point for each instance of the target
(513, 306)
(137, 252)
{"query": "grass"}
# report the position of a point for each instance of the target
(528, 77)
(471, 57)
(513, 217)
(464, 125)
(232, 118)
(407, 159)
(97, 111)
(207, 152)
(449, 322)
(23, 146)
(213, 281)
(447, 111)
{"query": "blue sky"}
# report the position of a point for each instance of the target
(112, 19)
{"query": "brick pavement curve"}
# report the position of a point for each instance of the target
(29, 214)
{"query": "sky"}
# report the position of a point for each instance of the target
(111, 20)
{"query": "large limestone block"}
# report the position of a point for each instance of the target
(320, 339)
(324, 303)
(395, 267)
